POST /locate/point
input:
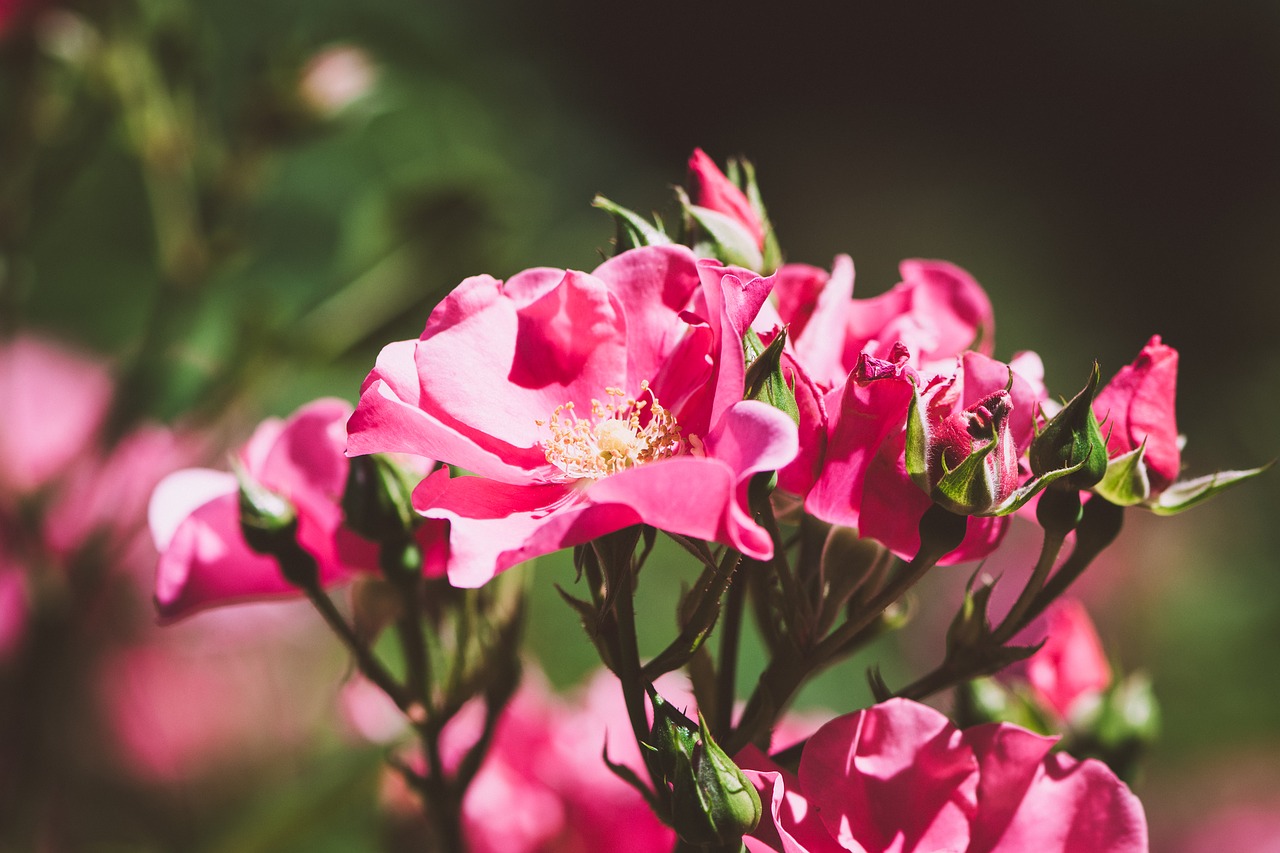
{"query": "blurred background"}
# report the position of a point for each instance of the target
(230, 207)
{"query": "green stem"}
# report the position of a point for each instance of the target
(727, 674)
(370, 667)
(1016, 618)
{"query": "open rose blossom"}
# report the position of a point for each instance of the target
(901, 777)
(195, 517)
(586, 402)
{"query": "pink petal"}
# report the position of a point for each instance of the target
(818, 311)
(716, 192)
(389, 419)
(862, 416)
(1075, 807)
(897, 777)
(790, 822)
(654, 285)
(493, 526)
(490, 367)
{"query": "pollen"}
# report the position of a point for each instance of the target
(621, 432)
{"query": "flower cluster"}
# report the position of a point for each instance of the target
(817, 454)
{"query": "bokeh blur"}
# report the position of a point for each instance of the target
(214, 212)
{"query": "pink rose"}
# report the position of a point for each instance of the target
(864, 482)
(716, 192)
(937, 311)
(1138, 405)
(901, 777)
(586, 403)
(195, 517)
(1071, 665)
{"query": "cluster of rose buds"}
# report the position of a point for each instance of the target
(816, 454)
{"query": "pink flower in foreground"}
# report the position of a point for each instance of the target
(1138, 405)
(900, 777)
(716, 192)
(586, 403)
(55, 401)
(864, 482)
(1071, 665)
(195, 517)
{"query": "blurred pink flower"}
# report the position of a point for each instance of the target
(1137, 406)
(586, 403)
(55, 401)
(1071, 665)
(1252, 827)
(543, 787)
(900, 777)
(240, 687)
(13, 606)
(195, 517)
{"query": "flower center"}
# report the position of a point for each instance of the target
(614, 437)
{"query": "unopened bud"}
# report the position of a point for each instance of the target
(712, 801)
(1073, 439)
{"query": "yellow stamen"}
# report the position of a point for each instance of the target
(612, 439)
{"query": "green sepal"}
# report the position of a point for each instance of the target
(1073, 439)
(269, 525)
(1029, 490)
(1126, 482)
(1183, 496)
(917, 449)
(633, 229)
(626, 774)
(964, 489)
(875, 682)
(764, 380)
(722, 237)
(772, 253)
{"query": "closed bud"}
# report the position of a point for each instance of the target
(1073, 440)
(377, 499)
(712, 802)
(967, 459)
(764, 379)
(269, 524)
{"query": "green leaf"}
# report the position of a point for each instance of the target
(633, 230)
(1183, 496)
(965, 489)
